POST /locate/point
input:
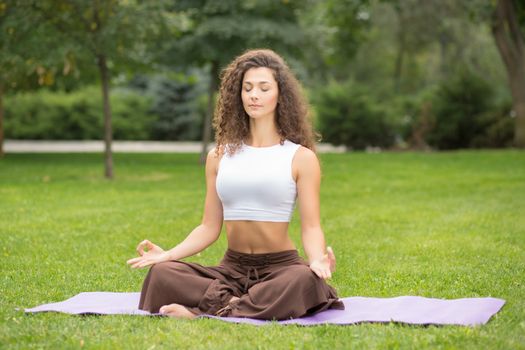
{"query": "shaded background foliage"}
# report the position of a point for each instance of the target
(52, 115)
(462, 110)
(392, 73)
(178, 102)
(351, 116)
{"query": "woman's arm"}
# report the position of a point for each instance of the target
(308, 177)
(201, 237)
(210, 228)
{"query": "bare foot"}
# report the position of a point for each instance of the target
(177, 311)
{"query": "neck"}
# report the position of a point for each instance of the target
(263, 132)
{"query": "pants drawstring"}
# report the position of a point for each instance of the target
(248, 277)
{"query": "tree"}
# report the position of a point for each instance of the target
(339, 28)
(219, 30)
(418, 22)
(415, 26)
(24, 63)
(176, 103)
(506, 21)
(113, 33)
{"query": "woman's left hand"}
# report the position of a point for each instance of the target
(325, 266)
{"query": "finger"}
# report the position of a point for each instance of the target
(136, 265)
(331, 254)
(330, 250)
(316, 271)
(140, 265)
(135, 260)
(331, 258)
(146, 263)
(144, 244)
(140, 247)
(132, 261)
(141, 262)
(324, 272)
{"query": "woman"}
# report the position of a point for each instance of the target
(264, 160)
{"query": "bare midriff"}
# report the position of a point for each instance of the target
(258, 237)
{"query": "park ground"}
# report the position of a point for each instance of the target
(443, 225)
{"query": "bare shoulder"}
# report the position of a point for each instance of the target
(304, 161)
(213, 152)
(214, 157)
(305, 157)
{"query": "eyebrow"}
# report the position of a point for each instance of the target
(261, 82)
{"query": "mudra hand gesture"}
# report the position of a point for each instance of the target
(325, 266)
(150, 254)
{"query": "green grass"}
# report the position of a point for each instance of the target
(444, 225)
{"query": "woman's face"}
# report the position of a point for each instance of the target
(259, 92)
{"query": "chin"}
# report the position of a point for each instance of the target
(258, 115)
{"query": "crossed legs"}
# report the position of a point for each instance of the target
(186, 290)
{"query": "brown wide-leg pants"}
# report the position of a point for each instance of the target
(269, 286)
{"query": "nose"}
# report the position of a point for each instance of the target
(253, 94)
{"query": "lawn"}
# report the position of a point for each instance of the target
(443, 225)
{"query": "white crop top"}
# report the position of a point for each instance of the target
(256, 183)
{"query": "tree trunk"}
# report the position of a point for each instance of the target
(401, 46)
(108, 133)
(506, 32)
(1, 120)
(206, 132)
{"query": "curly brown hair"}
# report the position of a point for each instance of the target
(231, 122)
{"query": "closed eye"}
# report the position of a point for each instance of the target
(248, 90)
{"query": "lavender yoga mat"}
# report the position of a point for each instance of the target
(404, 309)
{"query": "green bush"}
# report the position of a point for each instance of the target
(499, 130)
(456, 114)
(412, 113)
(179, 103)
(461, 112)
(76, 116)
(347, 115)
(175, 105)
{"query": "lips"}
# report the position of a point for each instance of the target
(254, 105)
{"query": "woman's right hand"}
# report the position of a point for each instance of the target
(150, 254)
